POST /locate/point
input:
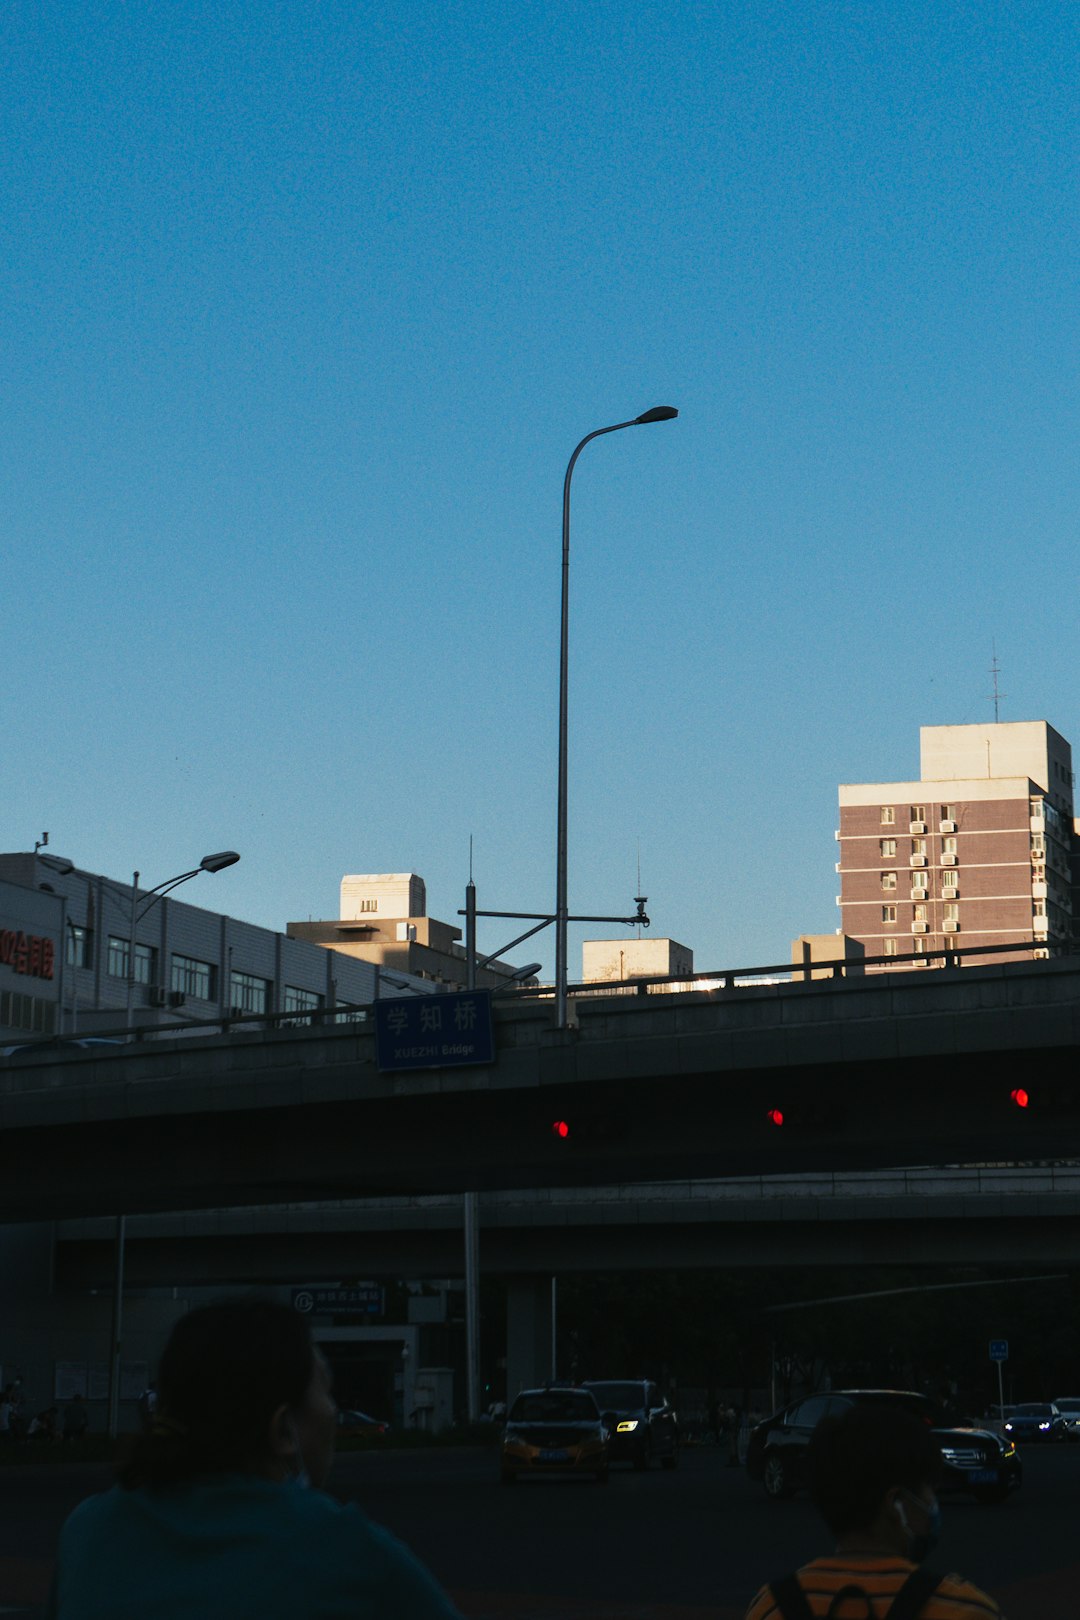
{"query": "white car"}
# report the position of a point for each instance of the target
(1069, 1407)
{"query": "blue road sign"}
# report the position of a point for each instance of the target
(999, 1349)
(434, 1032)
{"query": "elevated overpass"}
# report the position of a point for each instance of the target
(991, 1214)
(866, 1073)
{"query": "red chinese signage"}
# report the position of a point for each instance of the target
(27, 953)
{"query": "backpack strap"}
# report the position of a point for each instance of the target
(909, 1601)
(790, 1598)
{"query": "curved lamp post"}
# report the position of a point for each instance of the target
(209, 863)
(659, 413)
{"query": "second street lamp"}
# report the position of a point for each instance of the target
(209, 863)
(659, 413)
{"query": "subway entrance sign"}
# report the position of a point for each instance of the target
(434, 1032)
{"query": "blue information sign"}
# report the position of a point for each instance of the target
(434, 1032)
(999, 1349)
(365, 1299)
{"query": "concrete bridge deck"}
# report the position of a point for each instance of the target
(1022, 1215)
(893, 1070)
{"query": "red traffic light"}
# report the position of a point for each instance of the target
(1019, 1097)
(775, 1116)
(560, 1128)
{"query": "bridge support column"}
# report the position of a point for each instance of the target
(528, 1333)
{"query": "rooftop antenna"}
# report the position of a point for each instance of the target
(995, 670)
(470, 857)
(41, 843)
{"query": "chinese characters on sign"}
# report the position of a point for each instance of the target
(364, 1299)
(434, 1032)
(27, 953)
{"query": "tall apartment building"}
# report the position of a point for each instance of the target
(980, 850)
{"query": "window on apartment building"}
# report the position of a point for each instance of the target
(145, 961)
(32, 1013)
(948, 845)
(888, 846)
(888, 914)
(889, 948)
(1038, 842)
(248, 993)
(888, 880)
(948, 812)
(918, 846)
(369, 905)
(1038, 908)
(920, 912)
(952, 911)
(297, 1000)
(194, 978)
(80, 941)
(921, 945)
(888, 815)
(918, 812)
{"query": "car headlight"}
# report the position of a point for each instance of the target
(1044, 1425)
(627, 1426)
(1008, 1428)
(1010, 1451)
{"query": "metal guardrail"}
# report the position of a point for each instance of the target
(788, 973)
(717, 982)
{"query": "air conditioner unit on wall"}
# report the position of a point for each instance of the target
(946, 826)
(156, 995)
(917, 826)
(919, 927)
(177, 998)
(948, 859)
(951, 925)
(918, 892)
(917, 860)
(950, 892)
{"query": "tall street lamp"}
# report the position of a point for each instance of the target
(209, 863)
(659, 413)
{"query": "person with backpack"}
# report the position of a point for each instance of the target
(873, 1472)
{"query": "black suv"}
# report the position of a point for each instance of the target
(642, 1424)
(976, 1461)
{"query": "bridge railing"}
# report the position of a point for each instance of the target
(714, 983)
(788, 973)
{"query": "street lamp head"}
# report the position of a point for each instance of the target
(659, 413)
(217, 863)
(529, 971)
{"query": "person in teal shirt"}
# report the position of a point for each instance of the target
(220, 1513)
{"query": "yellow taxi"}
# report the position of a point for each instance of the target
(554, 1431)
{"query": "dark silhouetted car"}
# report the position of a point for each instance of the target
(354, 1423)
(554, 1431)
(975, 1461)
(642, 1424)
(1035, 1420)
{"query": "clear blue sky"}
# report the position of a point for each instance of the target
(302, 310)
